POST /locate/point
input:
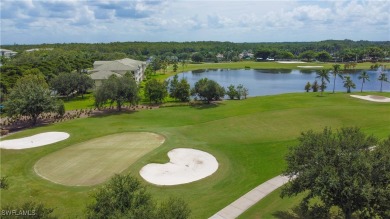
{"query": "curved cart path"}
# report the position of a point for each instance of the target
(246, 201)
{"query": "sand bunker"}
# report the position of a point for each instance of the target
(289, 62)
(34, 141)
(186, 165)
(373, 98)
(310, 66)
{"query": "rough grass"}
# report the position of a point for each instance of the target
(94, 161)
(249, 138)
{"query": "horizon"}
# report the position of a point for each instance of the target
(28, 22)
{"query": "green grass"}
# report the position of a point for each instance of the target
(94, 161)
(79, 102)
(249, 138)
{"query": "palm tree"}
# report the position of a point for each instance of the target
(323, 74)
(348, 83)
(383, 78)
(336, 71)
(363, 76)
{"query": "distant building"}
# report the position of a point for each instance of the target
(219, 57)
(104, 69)
(7, 53)
(38, 49)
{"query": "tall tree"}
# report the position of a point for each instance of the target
(323, 74)
(336, 72)
(348, 83)
(30, 97)
(117, 90)
(307, 86)
(339, 169)
(156, 91)
(364, 77)
(382, 78)
(84, 82)
(179, 89)
(208, 90)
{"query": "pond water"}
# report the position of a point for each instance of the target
(269, 81)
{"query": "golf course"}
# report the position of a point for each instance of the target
(249, 139)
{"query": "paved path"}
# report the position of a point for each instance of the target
(240, 205)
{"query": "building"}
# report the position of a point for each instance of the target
(104, 69)
(7, 53)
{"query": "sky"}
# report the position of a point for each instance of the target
(102, 21)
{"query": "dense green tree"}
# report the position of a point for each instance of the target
(197, 57)
(179, 89)
(125, 197)
(315, 86)
(155, 90)
(323, 56)
(263, 54)
(208, 90)
(323, 74)
(348, 83)
(30, 97)
(308, 55)
(175, 66)
(336, 72)
(173, 208)
(307, 87)
(156, 64)
(84, 83)
(364, 77)
(231, 92)
(65, 84)
(117, 90)
(339, 169)
(382, 78)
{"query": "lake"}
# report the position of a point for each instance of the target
(262, 82)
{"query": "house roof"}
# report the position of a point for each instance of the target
(101, 75)
(118, 65)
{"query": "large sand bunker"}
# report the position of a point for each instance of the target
(373, 98)
(96, 160)
(34, 141)
(186, 165)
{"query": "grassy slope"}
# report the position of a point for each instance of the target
(249, 139)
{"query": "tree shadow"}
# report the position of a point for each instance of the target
(204, 105)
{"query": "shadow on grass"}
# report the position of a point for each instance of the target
(204, 105)
(111, 112)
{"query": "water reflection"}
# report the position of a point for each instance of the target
(276, 81)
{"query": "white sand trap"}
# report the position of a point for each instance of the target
(373, 98)
(311, 66)
(186, 165)
(34, 141)
(290, 62)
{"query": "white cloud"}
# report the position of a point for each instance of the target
(29, 21)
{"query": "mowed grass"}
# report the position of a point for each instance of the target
(249, 138)
(96, 160)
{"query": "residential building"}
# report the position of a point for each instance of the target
(104, 69)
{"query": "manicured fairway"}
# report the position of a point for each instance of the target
(249, 138)
(96, 160)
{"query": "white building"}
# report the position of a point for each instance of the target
(104, 69)
(7, 53)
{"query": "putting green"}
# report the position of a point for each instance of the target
(94, 161)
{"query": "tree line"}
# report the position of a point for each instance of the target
(324, 76)
(54, 59)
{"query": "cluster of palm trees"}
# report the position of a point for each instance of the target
(323, 75)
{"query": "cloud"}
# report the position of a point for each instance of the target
(183, 20)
